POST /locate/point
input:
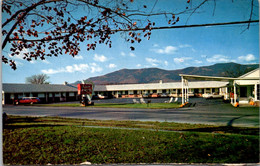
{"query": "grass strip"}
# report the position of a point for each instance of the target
(26, 122)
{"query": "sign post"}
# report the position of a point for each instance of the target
(86, 91)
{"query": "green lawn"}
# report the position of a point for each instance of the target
(118, 105)
(32, 140)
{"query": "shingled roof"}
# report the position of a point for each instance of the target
(36, 88)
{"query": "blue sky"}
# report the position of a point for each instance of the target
(167, 49)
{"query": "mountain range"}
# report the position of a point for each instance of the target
(152, 75)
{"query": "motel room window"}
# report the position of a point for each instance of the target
(208, 90)
(57, 95)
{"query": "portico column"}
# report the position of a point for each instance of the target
(235, 92)
(185, 91)
(3, 98)
(182, 90)
(187, 84)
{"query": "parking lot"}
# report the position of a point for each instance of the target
(213, 111)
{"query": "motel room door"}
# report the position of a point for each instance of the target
(243, 91)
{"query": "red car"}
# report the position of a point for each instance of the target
(27, 100)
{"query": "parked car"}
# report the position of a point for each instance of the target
(101, 96)
(212, 96)
(146, 95)
(155, 95)
(27, 100)
(164, 95)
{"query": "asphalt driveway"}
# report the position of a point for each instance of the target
(204, 112)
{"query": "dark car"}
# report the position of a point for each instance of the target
(164, 95)
(27, 100)
(145, 95)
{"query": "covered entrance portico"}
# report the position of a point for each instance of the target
(245, 87)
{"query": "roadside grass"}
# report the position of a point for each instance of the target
(43, 140)
(117, 105)
(26, 122)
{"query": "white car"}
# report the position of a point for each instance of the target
(101, 96)
(212, 96)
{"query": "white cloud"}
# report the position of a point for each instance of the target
(100, 58)
(95, 68)
(198, 62)
(18, 64)
(155, 45)
(181, 60)
(45, 61)
(219, 58)
(247, 58)
(153, 62)
(111, 66)
(184, 45)
(52, 71)
(92, 67)
(138, 65)
(21, 55)
(166, 50)
(122, 54)
(131, 54)
(78, 57)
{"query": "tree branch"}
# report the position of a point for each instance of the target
(154, 28)
(196, 25)
(26, 11)
(196, 9)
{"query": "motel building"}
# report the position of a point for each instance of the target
(240, 90)
(173, 89)
(47, 93)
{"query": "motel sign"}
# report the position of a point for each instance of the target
(85, 89)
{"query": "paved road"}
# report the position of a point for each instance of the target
(205, 112)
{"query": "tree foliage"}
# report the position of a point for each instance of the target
(43, 28)
(37, 79)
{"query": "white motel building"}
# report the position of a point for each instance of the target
(243, 88)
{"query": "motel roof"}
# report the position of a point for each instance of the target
(154, 86)
(41, 88)
(36, 88)
(253, 75)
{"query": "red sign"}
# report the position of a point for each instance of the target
(85, 89)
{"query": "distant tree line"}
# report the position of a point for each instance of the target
(37, 79)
